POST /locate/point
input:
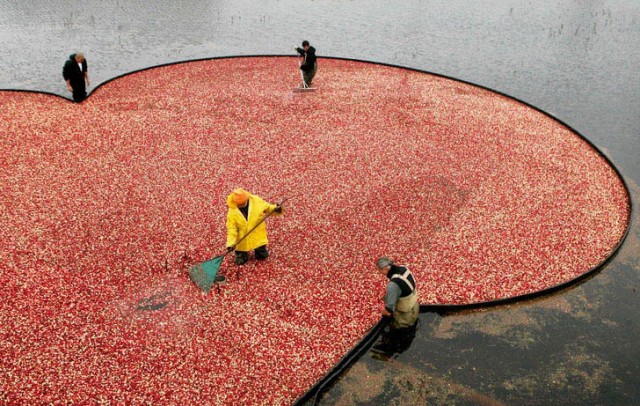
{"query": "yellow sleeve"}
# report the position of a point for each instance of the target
(232, 230)
(281, 210)
(268, 208)
(271, 209)
(262, 207)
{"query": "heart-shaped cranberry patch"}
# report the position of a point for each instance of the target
(105, 205)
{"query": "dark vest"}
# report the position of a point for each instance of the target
(400, 275)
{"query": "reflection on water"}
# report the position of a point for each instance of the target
(576, 347)
(573, 346)
(393, 342)
(574, 59)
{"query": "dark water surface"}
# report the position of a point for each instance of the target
(575, 59)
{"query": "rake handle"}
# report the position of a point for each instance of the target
(253, 228)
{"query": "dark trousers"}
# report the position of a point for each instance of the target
(261, 254)
(308, 76)
(79, 94)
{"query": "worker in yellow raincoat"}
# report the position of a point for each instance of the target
(246, 211)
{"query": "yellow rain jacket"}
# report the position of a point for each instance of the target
(238, 226)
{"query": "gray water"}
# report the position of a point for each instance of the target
(575, 59)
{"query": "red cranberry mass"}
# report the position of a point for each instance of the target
(106, 204)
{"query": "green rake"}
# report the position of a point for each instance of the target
(205, 273)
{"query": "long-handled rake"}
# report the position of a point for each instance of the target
(204, 274)
(304, 87)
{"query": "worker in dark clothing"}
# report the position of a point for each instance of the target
(76, 75)
(309, 65)
(401, 299)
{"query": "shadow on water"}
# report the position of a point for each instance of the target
(393, 342)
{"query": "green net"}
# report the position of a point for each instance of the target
(204, 274)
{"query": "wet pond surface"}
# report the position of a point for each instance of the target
(576, 60)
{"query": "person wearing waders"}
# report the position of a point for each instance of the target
(76, 75)
(246, 211)
(309, 65)
(401, 299)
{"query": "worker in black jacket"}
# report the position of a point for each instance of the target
(309, 65)
(76, 75)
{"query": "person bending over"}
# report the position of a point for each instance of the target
(246, 211)
(401, 298)
(309, 65)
